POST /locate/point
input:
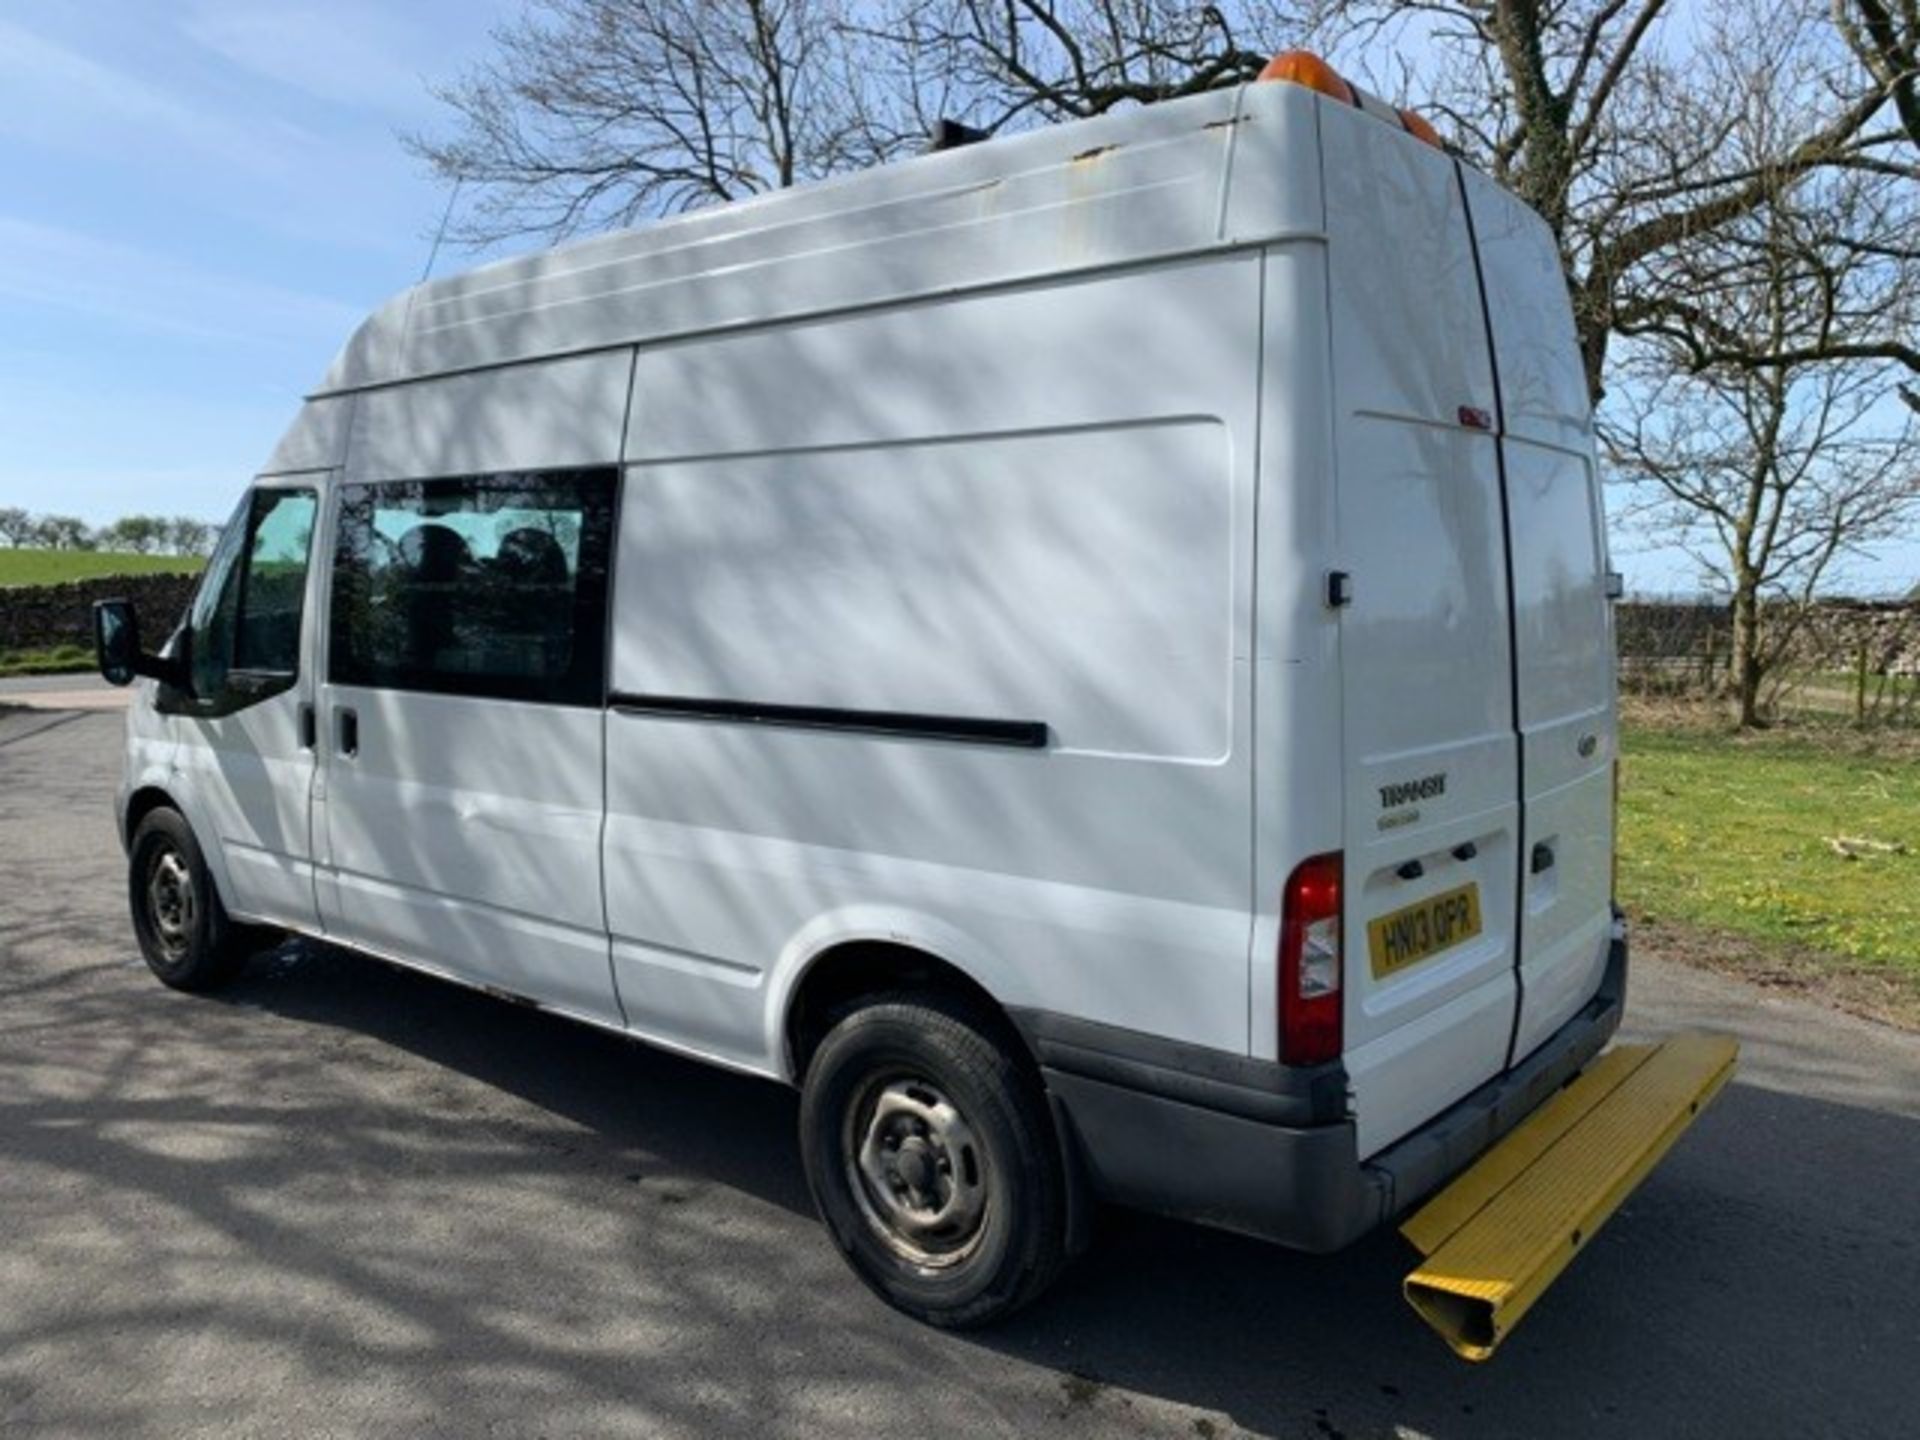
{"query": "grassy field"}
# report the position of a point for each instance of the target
(57, 660)
(1792, 858)
(50, 567)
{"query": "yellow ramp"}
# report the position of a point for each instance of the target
(1502, 1232)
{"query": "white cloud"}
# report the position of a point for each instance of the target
(353, 55)
(62, 100)
(48, 265)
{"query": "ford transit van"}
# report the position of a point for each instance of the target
(1088, 654)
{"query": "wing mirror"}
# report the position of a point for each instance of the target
(116, 648)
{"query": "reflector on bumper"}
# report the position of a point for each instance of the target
(1502, 1232)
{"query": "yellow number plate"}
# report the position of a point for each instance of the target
(1411, 934)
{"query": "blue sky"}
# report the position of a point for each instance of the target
(199, 199)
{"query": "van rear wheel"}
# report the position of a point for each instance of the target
(181, 925)
(930, 1155)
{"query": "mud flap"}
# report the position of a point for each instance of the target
(1502, 1232)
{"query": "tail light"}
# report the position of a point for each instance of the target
(1310, 1031)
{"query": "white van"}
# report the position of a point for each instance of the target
(1088, 654)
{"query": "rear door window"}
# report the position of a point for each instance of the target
(491, 586)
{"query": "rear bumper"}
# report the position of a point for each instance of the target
(1259, 1148)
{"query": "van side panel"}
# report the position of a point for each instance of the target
(1038, 575)
(1431, 793)
(547, 416)
(1125, 189)
(465, 834)
(316, 440)
(1032, 505)
(1563, 631)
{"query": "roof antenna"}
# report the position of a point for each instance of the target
(446, 218)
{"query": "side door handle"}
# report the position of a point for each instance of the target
(309, 726)
(346, 731)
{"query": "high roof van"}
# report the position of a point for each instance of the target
(1087, 654)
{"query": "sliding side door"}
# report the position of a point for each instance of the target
(462, 717)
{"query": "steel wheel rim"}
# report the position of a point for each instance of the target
(917, 1170)
(171, 904)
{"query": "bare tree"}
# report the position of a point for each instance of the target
(1662, 140)
(187, 536)
(596, 113)
(16, 525)
(1885, 34)
(1614, 118)
(62, 532)
(140, 534)
(1018, 60)
(1767, 441)
(1610, 117)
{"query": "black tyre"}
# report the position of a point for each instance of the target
(182, 927)
(931, 1157)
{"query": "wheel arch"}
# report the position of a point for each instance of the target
(143, 802)
(841, 973)
(150, 795)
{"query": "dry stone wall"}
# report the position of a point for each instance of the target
(38, 617)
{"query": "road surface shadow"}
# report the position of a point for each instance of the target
(1746, 1289)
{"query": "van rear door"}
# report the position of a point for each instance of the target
(1563, 640)
(1432, 816)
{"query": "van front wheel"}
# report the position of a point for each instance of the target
(930, 1156)
(182, 927)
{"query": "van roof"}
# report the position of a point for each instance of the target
(1226, 168)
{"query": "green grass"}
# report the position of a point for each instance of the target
(50, 567)
(1732, 835)
(1846, 679)
(1887, 695)
(58, 660)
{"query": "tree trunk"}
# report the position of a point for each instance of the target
(1746, 653)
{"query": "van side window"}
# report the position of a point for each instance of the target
(488, 585)
(246, 616)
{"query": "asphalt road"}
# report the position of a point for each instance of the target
(341, 1199)
(61, 692)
